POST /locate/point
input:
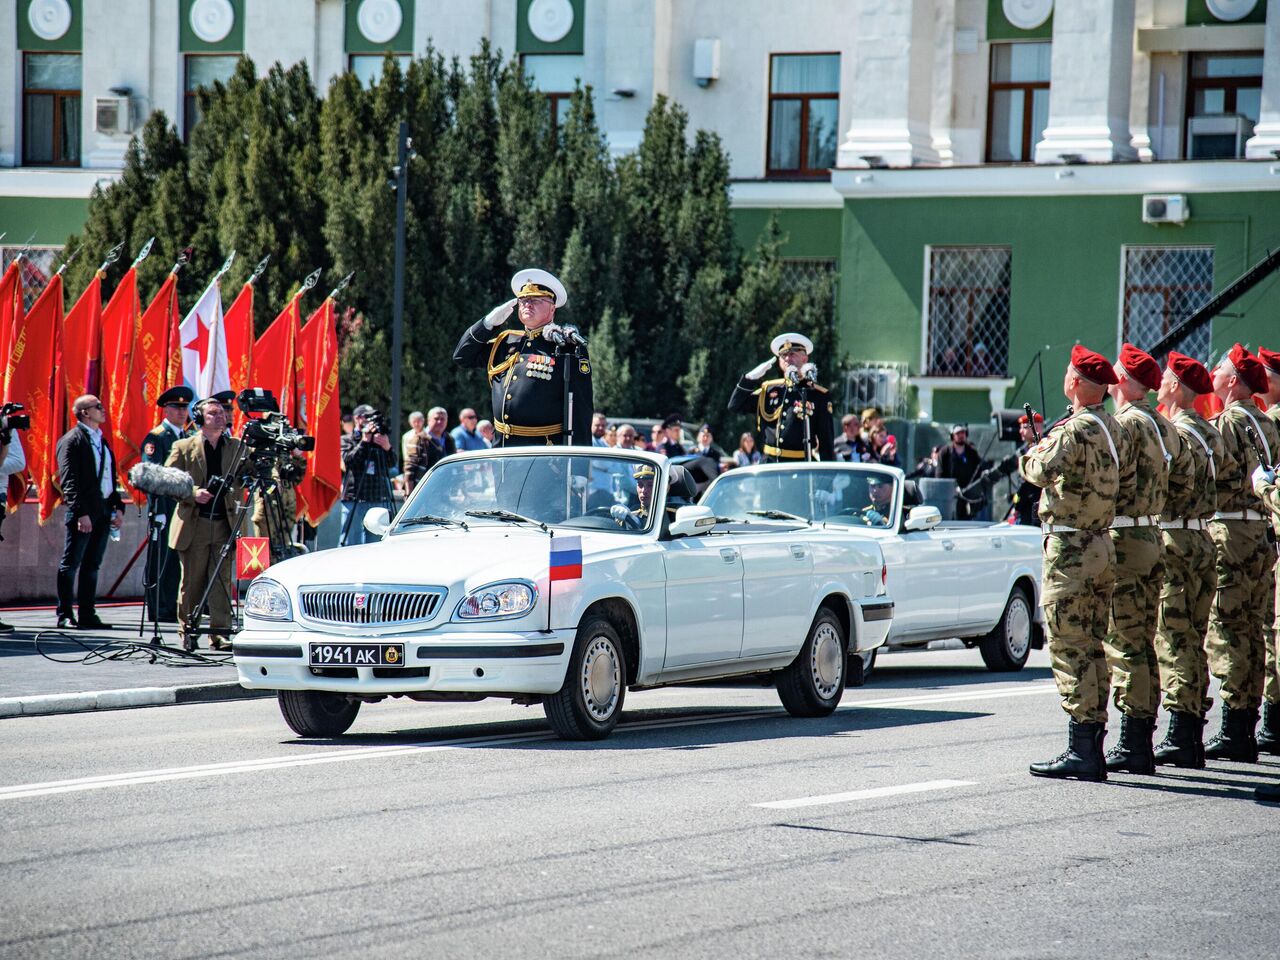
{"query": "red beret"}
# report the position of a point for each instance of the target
(1249, 369)
(1094, 367)
(1270, 359)
(1191, 372)
(1141, 366)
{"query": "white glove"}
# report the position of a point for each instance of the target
(825, 497)
(553, 333)
(755, 373)
(619, 512)
(1261, 477)
(498, 315)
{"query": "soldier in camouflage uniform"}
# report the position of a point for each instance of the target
(1244, 559)
(1264, 485)
(1150, 443)
(1189, 579)
(1078, 467)
(1269, 730)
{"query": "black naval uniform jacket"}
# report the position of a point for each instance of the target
(778, 406)
(526, 378)
(155, 449)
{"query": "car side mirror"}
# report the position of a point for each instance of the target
(378, 521)
(923, 518)
(692, 520)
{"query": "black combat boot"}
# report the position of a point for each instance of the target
(1133, 753)
(1235, 740)
(1083, 757)
(1269, 732)
(1183, 745)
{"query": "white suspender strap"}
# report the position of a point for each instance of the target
(1208, 450)
(1261, 436)
(1106, 433)
(1156, 427)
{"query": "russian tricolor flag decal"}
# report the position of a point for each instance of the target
(566, 558)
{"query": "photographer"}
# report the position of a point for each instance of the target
(12, 460)
(368, 460)
(201, 524)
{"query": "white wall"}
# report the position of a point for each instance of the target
(10, 88)
(116, 42)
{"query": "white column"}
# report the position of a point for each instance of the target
(10, 89)
(941, 109)
(1266, 135)
(116, 41)
(1090, 76)
(891, 99)
(1142, 118)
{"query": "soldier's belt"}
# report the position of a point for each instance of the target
(782, 454)
(515, 430)
(1063, 528)
(1121, 523)
(1238, 515)
(1183, 524)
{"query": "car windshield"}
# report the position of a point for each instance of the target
(859, 498)
(580, 491)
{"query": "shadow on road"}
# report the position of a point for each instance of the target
(898, 673)
(677, 729)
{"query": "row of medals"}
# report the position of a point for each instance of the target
(539, 366)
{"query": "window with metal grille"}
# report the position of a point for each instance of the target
(968, 311)
(38, 266)
(1162, 287)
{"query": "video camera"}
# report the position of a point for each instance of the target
(378, 421)
(274, 433)
(11, 419)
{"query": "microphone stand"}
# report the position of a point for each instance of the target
(151, 575)
(567, 350)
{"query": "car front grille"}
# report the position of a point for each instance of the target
(371, 606)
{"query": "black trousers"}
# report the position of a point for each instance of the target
(82, 552)
(164, 571)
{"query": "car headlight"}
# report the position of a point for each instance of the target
(508, 599)
(267, 600)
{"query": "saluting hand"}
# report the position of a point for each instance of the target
(498, 315)
(755, 373)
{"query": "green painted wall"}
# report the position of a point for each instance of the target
(402, 42)
(526, 42)
(69, 42)
(52, 221)
(807, 232)
(999, 27)
(188, 42)
(1066, 270)
(1198, 14)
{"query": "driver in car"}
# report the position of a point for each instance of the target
(880, 509)
(644, 476)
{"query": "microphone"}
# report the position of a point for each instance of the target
(554, 334)
(574, 337)
(151, 478)
(809, 372)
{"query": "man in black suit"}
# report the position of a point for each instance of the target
(87, 476)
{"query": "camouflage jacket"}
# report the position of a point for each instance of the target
(1078, 468)
(1235, 492)
(1152, 443)
(1192, 492)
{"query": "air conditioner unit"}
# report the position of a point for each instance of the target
(706, 60)
(111, 115)
(872, 388)
(1217, 138)
(1165, 208)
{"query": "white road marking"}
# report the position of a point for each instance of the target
(871, 794)
(226, 768)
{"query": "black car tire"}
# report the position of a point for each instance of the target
(314, 713)
(589, 703)
(1007, 646)
(813, 683)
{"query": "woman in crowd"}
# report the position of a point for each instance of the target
(746, 454)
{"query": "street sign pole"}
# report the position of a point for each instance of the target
(397, 315)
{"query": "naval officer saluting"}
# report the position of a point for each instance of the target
(792, 411)
(534, 369)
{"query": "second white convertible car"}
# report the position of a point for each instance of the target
(564, 576)
(978, 582)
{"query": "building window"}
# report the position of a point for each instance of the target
(51, 109)
(804, 106)
(968, 311)
(1224, 98)
(38, 267)
(203, 70)
(1162, 287)
(368, 66)
(1017, 101)
(555, 76)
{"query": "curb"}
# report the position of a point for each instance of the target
(58, 703)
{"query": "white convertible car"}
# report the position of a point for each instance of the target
(975, 581)
(564, 576)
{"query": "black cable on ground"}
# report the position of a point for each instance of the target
(124, 650)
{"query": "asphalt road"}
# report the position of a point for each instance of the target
(710, 825)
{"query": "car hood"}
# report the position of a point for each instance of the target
(442, 557)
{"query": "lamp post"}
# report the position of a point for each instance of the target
(397, 311)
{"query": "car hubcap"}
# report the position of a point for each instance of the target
(601, 678)
(1017, 632)
(827, 663)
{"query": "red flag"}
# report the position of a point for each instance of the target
(123, 395)
(318, 356)
(253, 555)
(275, 358)
(1208, 405)
(10, 313)
(82, 345)
(32, 381)
(151, 357)
(238, 323)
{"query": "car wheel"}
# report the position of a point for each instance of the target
(312, 713)
(811, 686)
(859, 677)
(1007, 647)
(588, 705)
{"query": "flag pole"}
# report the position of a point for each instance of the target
(257, 271)
(112, 256)
(403, 154)
(183, 259)
(342, 285)
(312, 279)
(226, 265)
(143, 253)
(65, 263)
